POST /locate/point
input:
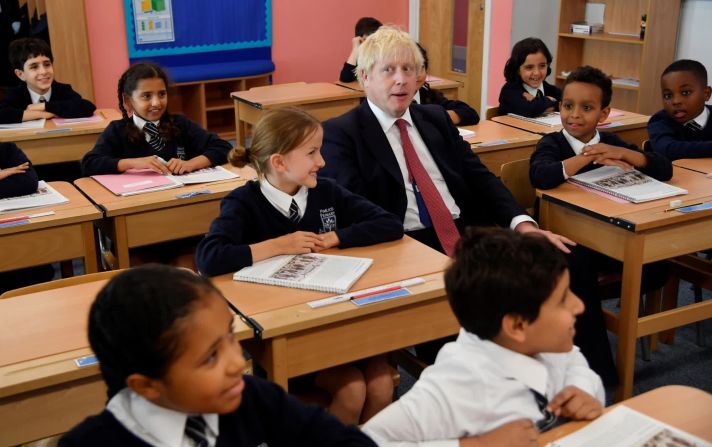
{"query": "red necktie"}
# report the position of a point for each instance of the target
(445, 228)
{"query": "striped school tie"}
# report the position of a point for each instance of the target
(155, 140)
(42, 99)
(195, 430)
(693, 125)
(440, 216)
(294, 212)
(550, 420)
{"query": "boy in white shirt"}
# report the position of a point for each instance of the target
(514, 359)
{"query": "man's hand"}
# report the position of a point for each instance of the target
(561, 242)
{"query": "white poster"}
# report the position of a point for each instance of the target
(153, 21)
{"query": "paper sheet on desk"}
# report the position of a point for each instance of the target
(464, 133)
(34, 124)
(694, 208)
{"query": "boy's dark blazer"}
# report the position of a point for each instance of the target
(64, 102)
(359, 156)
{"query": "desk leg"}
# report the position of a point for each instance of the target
(90, 262)
(121, 239)
(240, 127)
(275, 361)
(628, 323)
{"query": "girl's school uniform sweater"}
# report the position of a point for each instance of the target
(511, 100)
(247, 217)
(17, 184)
(113, 145)
(674, 140)
(267, 416)
(546, 171)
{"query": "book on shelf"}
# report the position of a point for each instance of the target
(586, 28)
(139, 181)
(312, 271)
(45, 196)
(633, 185)
(552, 119)
(630, 82)
(625, 427)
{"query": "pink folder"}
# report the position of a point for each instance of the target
(136, 182)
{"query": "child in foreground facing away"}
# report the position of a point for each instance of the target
(174, 372)
(290, 210)
(148, 135)
(513, 366)
(363, 28)
(40, 96)
(526, 92)
(579, 146)
(682, 129)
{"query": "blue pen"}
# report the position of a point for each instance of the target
(64, 129)
(193, 194)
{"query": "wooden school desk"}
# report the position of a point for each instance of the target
(323, 100)
(703, 165)
(68, 234)
(682, 407)
(497, 144)
(635, 234)
(56, 144)
(449, 89)
(160, 216)
(295, 339)
(42, 391)
(630, 127)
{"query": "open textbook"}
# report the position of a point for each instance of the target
(313, 271)
(633, 186)
(552, 119)
(624, 427)
(45, 195)
(140, 181)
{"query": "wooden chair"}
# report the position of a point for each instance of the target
(491, 112)
(515, 176)
(66, 282)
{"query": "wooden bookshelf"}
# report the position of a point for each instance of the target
(619, 51)
(208, 103)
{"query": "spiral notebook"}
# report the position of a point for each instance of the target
(313, 271)
(633, 186)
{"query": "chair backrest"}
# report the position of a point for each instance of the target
(491, 112)
(515, 176)
(65, 282)
(646, 145)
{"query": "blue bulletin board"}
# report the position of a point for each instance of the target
(200, 27)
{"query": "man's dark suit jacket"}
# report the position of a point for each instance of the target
(359, 157)
(64, 102)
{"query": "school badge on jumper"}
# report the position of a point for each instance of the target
(328, 220)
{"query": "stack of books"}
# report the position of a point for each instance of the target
(586, 28)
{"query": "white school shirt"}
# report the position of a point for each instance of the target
(140, 122)
(35, 97)
(701, 119)
(474, 387)
(578, 145)
(412, 218)
(281, 200)
(156, 425)
(532, 91)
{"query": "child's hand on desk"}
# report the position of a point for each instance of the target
(576, 404)
(299, 242)
(329, 240)
(20, 169)
(178, 166)
(149, 162)
(29, 115)
(527, 96)
(605, 154)
(519, 433)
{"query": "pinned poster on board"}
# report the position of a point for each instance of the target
(153, 21)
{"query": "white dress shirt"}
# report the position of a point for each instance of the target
(412, 217)
(36, 96)
(281, 200)
(577, 145)
(140, 122)
(701, 119)
(532, 91)
(154, 424)
(474, 387)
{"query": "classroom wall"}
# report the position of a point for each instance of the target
(499, 47)
(312, 38)
(306, 45)
(694, 32)
(536, 18)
